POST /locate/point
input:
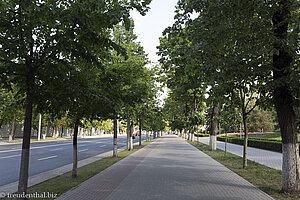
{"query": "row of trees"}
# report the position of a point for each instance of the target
(73, 61)
(233, 57)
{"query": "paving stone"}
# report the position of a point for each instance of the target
(167, 169)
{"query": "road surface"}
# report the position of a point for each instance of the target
(45, 156)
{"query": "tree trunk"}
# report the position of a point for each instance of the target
(62, 130)
(214, 128)
(45, 132)
(128, 134)
(12, 130)
(245, 137)
(1, 122)
(115, 150)
(192, 136)
(130, 138)
(54, 132)
(226, 144)
(283, 100)
(40, 126)
(75, 158)
(24, 165)
(140, 136)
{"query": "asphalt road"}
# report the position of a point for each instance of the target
(45, 156)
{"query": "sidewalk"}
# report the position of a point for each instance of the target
(269, 158)
(167, 169)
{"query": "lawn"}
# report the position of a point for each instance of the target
(265, 178)
(276, 136)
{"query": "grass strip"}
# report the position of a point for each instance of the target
(65, 182)
(263, 177)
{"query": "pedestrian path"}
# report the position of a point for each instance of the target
(269, 158)
(167, 169)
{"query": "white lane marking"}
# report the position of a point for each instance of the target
(40, 147)
(102, 146)
(56, 149)
(98, 142)
(82, 145)
(83, 150)
(36, 147)
(9, 156)
(47, 158)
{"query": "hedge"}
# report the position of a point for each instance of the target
(273, 145)
(201, 135)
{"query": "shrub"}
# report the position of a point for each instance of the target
(273, 145)
(201, 135)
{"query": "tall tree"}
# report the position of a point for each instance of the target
(37, 37)
(256, 43)
(283, 60)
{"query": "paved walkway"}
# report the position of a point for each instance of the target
(269, 158)
(167, 169)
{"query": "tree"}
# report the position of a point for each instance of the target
(283, 59)
(261, 120)
(127, 79)
(256, 43)
(38, 38)
(180, 75)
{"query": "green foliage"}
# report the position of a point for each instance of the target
(229, 46)
(201, 135)
(261, 120)
(273, 145)
(185, 103)
(11, 105)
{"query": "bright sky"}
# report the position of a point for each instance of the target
(150, 27)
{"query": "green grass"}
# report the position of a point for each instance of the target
(265, 178)
(276, 136)
(65, 182)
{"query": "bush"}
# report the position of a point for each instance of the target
(201, 135)
(272, 145)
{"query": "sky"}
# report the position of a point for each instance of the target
(149, 28)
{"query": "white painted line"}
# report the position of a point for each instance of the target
(37, 147)
(102, 146)
(47, 158)
(69, 143)
(81, 145)
(83, 150)
(9, 156)
(56, 149)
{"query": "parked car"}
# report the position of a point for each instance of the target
(137, 133)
